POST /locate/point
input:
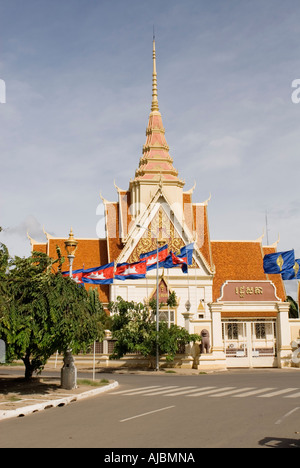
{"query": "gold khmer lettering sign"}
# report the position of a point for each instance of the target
(248, 290)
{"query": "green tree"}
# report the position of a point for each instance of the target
(293, 312)
(135, 331)
(45, 312)
(4, 262)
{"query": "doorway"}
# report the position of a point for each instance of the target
(250, 343)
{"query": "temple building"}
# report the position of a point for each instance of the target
(241, 312)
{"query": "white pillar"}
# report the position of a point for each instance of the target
(217, 347)
(187, 320)
(249, 343)
(188, 360)
(284, 335)
(216, 339)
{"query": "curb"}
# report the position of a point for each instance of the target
(19, 412)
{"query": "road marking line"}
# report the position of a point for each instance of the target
(202, 390)
(164, 390)
(207, 392)
(295, 395)
(230, 392)
(278, 392)
(254, 392)
(150, 391)
(146, 414)
(286, 415)
(137, 389)
(183, 391)
(141, 392)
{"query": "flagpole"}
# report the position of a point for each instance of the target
(196, 289)
(94, 360)
(147, 287)
(168, 290)
(157, 292)
(298, 302)
(189, 294)
(157, 305)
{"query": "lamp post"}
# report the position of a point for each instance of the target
(71, 245)
(69, 371)
(157, 293)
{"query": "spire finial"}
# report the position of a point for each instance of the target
(154, 106)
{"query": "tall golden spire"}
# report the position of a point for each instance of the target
(154, 106)
(156, 164)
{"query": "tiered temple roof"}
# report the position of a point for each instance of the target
(225, 260)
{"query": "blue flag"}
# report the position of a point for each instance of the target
(279, 262)
(293, 273)
(151, 258)
(76, 276)
(187, 251)
(99, 275)
(173, 261)
(125, 271)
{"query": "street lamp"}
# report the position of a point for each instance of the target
(69, 371)
(157, 292)
(71, 245)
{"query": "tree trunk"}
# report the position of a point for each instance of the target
(28, 367)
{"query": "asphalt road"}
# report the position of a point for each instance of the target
(240, 409)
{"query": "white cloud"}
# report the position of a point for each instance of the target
(225, 152)
(30, 225)
(15, 237)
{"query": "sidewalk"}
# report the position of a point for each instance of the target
(19, 398)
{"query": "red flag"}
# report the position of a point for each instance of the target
(151, 257)
(173, 261)
(76, 276)
(99, 275)
(131, 270)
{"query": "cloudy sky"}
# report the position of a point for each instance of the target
(78, 77)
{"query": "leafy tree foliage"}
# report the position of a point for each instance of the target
(135, 331)
(4, 259)
(293, 312)
(43, 312)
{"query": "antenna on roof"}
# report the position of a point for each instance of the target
(153, 33)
